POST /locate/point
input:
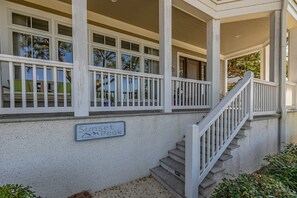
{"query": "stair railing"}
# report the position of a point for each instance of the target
(207, 141)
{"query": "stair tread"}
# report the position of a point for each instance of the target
(246, 128)
(225, 157)
(178, 153)
(240, 136)
(233, 146)
(217, 169)
(170, 180)
(182, 143)
(174, 165)
(207, 182)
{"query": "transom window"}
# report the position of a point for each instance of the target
(105, 40)
(30, 22)
(151, 51)
(130, 46)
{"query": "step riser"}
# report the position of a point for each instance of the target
(172, 171)
(176, 158)
(182, 148)
(166, 186)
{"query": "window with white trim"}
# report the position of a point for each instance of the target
(64, 45)
(103, 53)
(151, 60)
(31, 43)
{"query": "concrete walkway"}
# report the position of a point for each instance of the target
(146, 187)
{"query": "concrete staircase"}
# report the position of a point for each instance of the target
(171, 172)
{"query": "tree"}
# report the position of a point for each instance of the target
(238, 66)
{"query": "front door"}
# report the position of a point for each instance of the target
(192, 69)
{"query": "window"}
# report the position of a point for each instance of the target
(104, 58)
(130, 46)
(65, 51)
(106, 40)
(130, 63)
(151, 51)
(30, 22)
(151, 66)
(64, 30)
(31, 46)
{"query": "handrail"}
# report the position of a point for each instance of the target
(225, 102)
(33, 61)
(215, 132)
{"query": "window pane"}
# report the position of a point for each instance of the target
(65, 51)
(111, 59)
(98, 56)
(151, 66)
(110, 41)
(135, 47)
(156, 52)
(125, 45)
(64, 30)
(98, 38)
(22, 20)
(40, 24)
(41, 48)
(22, 45)
(126, 62)
(135, 64)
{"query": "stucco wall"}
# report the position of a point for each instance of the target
(291, 134)
(43, 154)
(260, 140)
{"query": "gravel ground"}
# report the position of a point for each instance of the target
(146, 187)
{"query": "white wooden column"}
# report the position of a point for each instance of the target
(80, 58)
(282, 75)
(292, 74)
(226, 76)
(165, 31)
(275, 37)
(213, 59)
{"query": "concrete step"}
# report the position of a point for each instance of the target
(207, 183)
(225, 157)
(181, 146)
(177, 155)
(174, 167)
(174, 185)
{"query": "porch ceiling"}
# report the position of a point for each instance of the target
(235, 36)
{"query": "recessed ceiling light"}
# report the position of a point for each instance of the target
(113, 1)
(237, 36)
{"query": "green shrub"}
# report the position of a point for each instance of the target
(16, 191)
(283, 166)
(251, 186)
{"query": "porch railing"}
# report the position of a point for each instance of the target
(190, 94)
(124, 90)
(34, 86)
(265, 97)
(291, 91)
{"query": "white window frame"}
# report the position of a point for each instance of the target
(179, 54)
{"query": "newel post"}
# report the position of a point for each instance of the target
(251, 95)
(192, 163)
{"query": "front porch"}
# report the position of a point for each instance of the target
(108, 71)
